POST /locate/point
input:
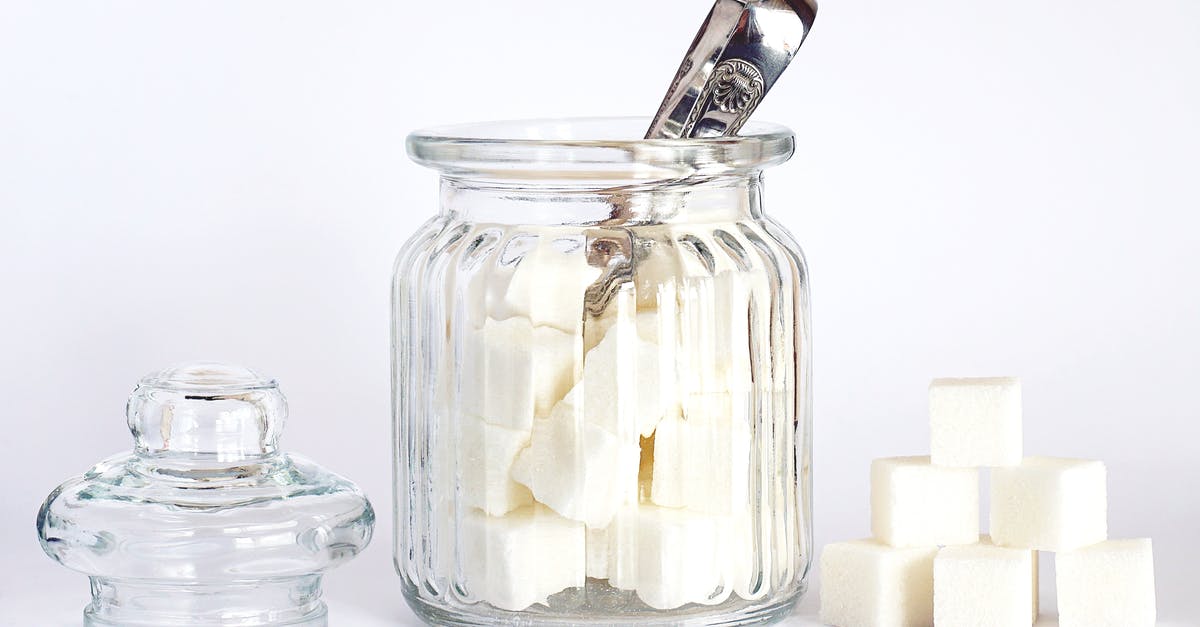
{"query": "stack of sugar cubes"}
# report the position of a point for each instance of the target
(928, 564)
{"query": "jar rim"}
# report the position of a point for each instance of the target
(592, 149)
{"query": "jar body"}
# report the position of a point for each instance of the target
(601, 406)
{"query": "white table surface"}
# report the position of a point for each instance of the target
(363, 594)
(55, 612)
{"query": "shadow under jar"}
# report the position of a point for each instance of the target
(601, 385)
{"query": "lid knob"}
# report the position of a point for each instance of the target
(206, 409)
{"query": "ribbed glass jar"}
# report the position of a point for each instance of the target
(601, 381)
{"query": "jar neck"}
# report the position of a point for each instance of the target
(713, 199)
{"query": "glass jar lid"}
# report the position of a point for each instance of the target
(206, 515)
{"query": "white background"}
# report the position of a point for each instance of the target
(981, 188)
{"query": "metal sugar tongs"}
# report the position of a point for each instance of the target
(740, 51)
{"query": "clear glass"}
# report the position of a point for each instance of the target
(205, 522)
(601, 381)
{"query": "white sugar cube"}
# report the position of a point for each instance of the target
(486, 455)
(614, 553)
(700, 319)
(867, 584)
(678, 557)
(1049, 504)
(975, 422)
(741, 569)
(520, 559)
(1110, 584)
(681, 372)
(982, 585)
(513, 371)
(914, 503)
(623, 388)
(578, 469)
(656, 272)
(613, 550)
(550, 275)
(713, 333)
(702, 461)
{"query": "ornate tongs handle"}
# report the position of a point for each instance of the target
(740, 51)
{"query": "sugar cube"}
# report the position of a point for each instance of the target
(655, 273)
(623, 389)
(1110, 584)
(1049, 504)
(982, 585)
(702, 460)
(914, 503)
(713, 334)
(613, 550)
(678, 557)
(521, 558)
(682, 372)
(577, 468)
(550, 275)
(486, 454)
(614, 553)
(975, 422)
(513, 371)
(867, 584)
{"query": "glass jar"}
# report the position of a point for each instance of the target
(601, 380)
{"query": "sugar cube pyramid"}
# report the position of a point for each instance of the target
(926, 564)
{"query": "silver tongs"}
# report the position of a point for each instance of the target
(740, 51)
